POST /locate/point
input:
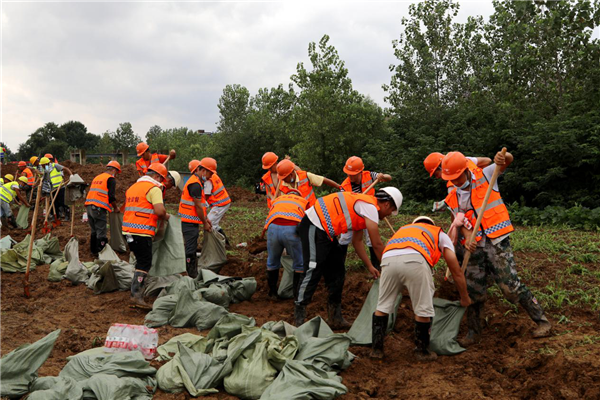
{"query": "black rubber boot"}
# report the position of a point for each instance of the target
(422, 332)
(344, 248)
(137, 291)
(12, 221)
(335, 318)
(378, 329)
(94, 245)
(227, 244)
(102, 242)
(272, 278)
(299, 315)
(191, 265)
(374, 259)
(474, 324)
(298, 278)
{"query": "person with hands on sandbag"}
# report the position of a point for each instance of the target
(407, 262)
(144, 207)
(192, 210)
(101, 199)
(215, 193)
(322, 255)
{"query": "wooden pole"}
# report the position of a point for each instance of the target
(31, 240)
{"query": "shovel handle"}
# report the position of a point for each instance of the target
(32, 237)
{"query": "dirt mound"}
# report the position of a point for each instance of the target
(257, 245)
(240, 194)
(8, 169)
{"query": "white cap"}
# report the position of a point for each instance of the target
(395, 195)
(423, 218)
(177, 178)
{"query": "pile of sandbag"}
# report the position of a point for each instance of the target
(45, 250)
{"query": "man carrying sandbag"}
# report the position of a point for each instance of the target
(407, 262)
(101, 199)
(144, 206)
(12, 191)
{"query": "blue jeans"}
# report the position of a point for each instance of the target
(280, 237)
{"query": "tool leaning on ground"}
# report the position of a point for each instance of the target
(31, 240)
(479, 218)
(45, 228)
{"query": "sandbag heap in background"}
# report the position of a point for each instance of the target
(45, 250)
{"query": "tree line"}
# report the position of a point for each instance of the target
(527, 78)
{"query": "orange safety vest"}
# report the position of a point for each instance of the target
(337, 214)
(471, 165)
(304, 187)
(142, 165)
(269, 187)
(187, 209)
(423, 238)
(98, 193)
(289, 207)
(495, 221)
(30, 176)
(366, 181)
(139, 216)
(218, 196)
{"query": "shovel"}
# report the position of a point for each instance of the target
(31, 240)
(46, 229)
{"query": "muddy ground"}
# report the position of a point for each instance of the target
(507, 364)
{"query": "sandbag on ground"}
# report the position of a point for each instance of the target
(76, 272)
(45, 250)
(168, 252)
(321, 347)
(55, 388)
(110, 273)
(286, 285)
(213, 255)
(445, 326)
(361, 332)
(116, 241)
(7, 242)
(23, 217)
(19, 367)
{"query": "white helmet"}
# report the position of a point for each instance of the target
(423, 219)
(176, 178)
(395, 194)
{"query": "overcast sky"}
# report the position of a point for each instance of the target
(167, 63)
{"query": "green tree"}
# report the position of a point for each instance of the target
(124, 138)
(48, 139)
(77, 135)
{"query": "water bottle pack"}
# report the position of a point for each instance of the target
(125, 337)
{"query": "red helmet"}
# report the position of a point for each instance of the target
(115, 165)
(210, 164)
(193, 165)
(48, 155)
(268, 159)
(159, 169)
(22, 164)
(453, 165)
(354, 165)
(284, 168)
(432, 162)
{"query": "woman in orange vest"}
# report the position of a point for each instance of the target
(358, 181)
(144, 207)
(407, 263)
(281, 226)
(101, 199)
(192, 210)
(331, 216)
(293, 178)
(147, 158)
(215, 193)
(492, 253)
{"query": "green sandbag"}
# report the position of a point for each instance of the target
(230, 325)
(213, 255)
(57, 270)
(6, 242)
(168, 253)
(12, 261)
(286, 285)
(19, 367)
(191, 311)
(301, 381)
(55, 388)
(193, 342)
(130, 363)
(116, 241)
(105, 386)
(217, 294)
(155, 284)
(23, 217)
(446, 324)
(361, 332)
(320, 346)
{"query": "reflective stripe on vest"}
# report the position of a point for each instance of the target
(218, 196)
(366, 181)
(337, 214)
(187, 207)
(423, 238)
(139, 216)
(30, 177)
(98, 193)
(142, 165)
(289, 207)
(8, 192)
(55, 176)
(304, 187)
(270, 188)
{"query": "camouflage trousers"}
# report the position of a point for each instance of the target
(495, 263)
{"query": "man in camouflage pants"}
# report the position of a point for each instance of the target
(492, 260)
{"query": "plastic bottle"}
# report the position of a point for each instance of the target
(150, 343)
(113, 338)
(84, 218)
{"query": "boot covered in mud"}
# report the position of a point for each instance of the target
(544, 328)
(474, 324)
(299, 315)
(137, 291)
(378, 329)
(422, 335)
(191, 265)
(272, 278)
(335, 319)
(374, 259)
(102, 242)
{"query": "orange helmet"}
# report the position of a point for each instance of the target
(268, 159)
(284, 168)
(141, 148)
(453, 165)
(354, 165)
(49, 156)
(193, 165)
(159, 169)
(115, 165)
(432, 162)
(33, 160)
(210, 164)
(22, 164)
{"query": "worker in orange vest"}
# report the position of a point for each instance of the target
(492, 255)
(407, 263)
(144, 207)
(147, 158)
(215, 193)
(322, 255)
(192, 210)
(269, 181)
(433, 165)
(25, 171)
(102, 199)
(281, 225)
(294, 179)
(358, 181)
